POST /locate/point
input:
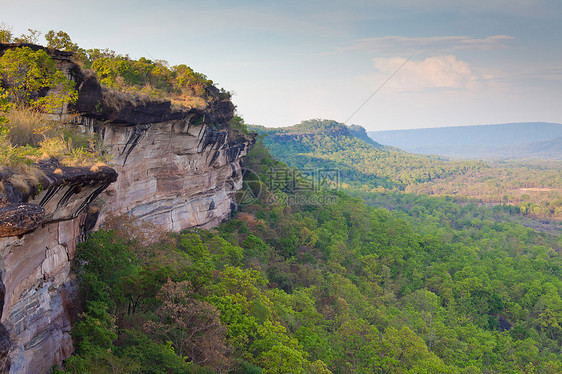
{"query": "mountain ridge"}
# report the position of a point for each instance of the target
(509, 140)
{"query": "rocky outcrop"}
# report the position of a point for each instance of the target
(37, 285)
(176, 167)
(175, 174)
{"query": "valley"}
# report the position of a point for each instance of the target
(146, 228)
(531, 187)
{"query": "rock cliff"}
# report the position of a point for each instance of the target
(176, 174)
(39, 237)
(176, 167)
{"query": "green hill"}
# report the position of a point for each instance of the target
(362, 162)
(534, 188)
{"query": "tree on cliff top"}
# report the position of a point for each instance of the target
(6, 34)
(29, 75)
(60, 40)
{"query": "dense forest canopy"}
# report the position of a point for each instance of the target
(341, 287)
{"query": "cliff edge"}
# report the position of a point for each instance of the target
(177, 167)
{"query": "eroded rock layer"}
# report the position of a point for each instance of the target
(174, 174)
(176, 167)
(38, 287)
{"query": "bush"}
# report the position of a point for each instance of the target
(29, 74)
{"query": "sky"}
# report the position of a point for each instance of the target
(384, 65)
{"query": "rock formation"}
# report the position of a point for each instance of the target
(176, 167)
(39, 237)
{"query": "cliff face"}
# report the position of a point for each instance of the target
(36, 252)
(174, 173)
(176, 167)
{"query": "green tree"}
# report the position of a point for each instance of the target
(32, 37)
(60, 40)
(28, 74)
(5, 33)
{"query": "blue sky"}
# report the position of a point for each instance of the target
(471, 61)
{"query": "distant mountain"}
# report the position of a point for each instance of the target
(549, 148)
(510, 140)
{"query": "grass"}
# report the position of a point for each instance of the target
(30, 136)
(67, 153)
(29, 127)
(189, 101)
(24, 178)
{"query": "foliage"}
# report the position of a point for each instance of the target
(323, 144)
(29, 73)
(6, 34)
(60, 40)
(10, 155)
(237, 123)
(180, 84)
(4, 106)
(35, 86)
(191, 325)
(32, 37)
(430, 287)
(532, 188)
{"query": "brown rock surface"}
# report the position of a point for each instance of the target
(35, 267)
(174, 174)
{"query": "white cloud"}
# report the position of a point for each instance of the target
(435, 44)
(433, 72)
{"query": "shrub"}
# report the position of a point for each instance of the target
(29, 74)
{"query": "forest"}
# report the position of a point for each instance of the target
(532, 187)
(340, 287)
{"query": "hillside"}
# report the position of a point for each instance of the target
(534, 188)
(361, 162)
(511, 140)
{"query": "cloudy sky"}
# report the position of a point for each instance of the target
(445, 63)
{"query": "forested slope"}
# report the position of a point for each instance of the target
(325, 285)
(533, 187)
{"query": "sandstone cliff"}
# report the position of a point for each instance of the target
(38, 244)
(176, 167)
